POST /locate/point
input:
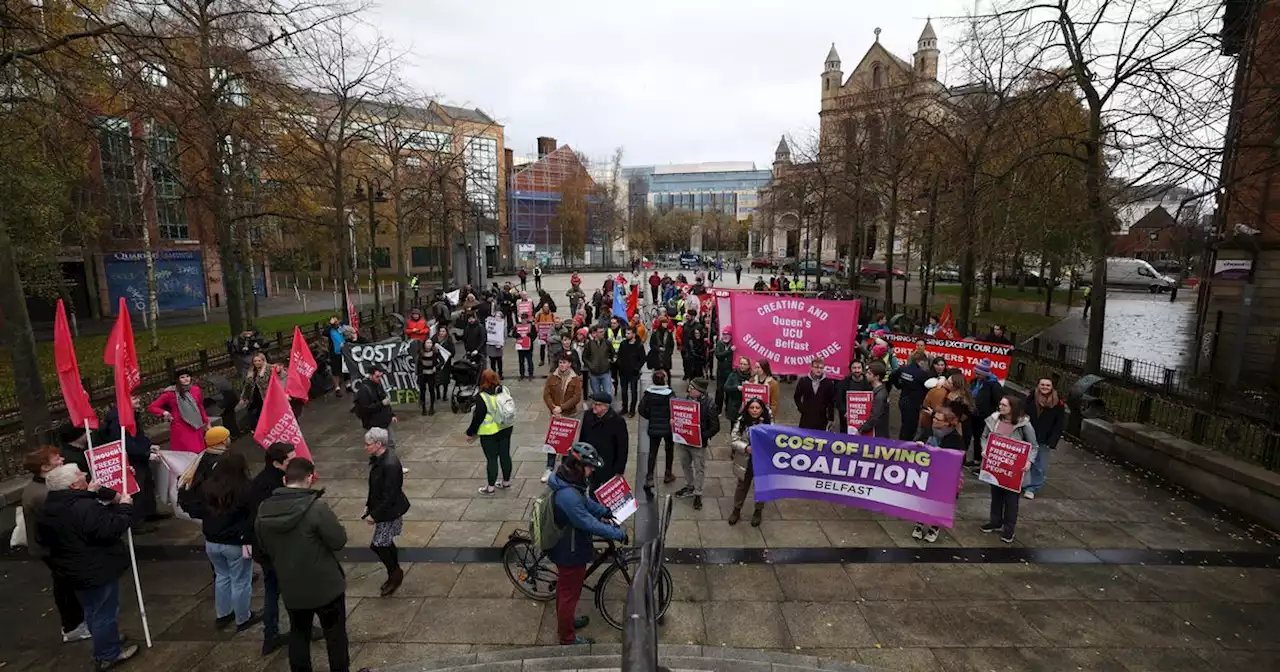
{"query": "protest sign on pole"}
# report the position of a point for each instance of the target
(108, 463)
(857, 407)
(544, 331)
(277, 422)
(353, 313)
(963, 355)
(616, 495)
(560, 434)
(790, 332)
(1003, 461)
(524, 307)
(302, 365)
(686, 422)
(753, 391)
(899, 478)
(523, 339)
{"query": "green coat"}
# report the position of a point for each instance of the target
(301, 537)
(733, 394)
(724, 361)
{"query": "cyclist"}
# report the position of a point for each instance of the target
(579, 517)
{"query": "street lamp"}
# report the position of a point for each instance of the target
(372, 195)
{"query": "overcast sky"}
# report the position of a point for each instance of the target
(670, 81)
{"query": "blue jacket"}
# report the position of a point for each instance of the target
(579, 516)
(336, 339)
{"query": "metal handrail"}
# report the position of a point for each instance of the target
(640, 632)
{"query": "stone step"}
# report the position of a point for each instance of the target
(607, 658)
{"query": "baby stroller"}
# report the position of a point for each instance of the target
(465, 374)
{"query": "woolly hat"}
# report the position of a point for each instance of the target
(699, 384)
(983, 368)
(216, 436)
(879, 350)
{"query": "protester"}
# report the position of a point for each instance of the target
(473, 334)
(416, 327)
(655, 407)
(733, 389)
(877, 423)
(182, 406)
(755, 414)
(443, 341)
(276, 458)
(495, 436)
(336, 340)
(724, 360)
(537, 277)
(606, 431)
(579, 516)
(1088, 301)
(427, 369)
(85, 541)
(301, 537)
(693, 459)
(694, 353)
(597, 356)
(937, 373)
(226, 526)
(243, 347)
(524, 335)
(385, 506)
(910, 381)
(40, 462)
(563, 348)
(996, 335)
(629, 359)
(561, 393)
(762, 374)
(855, 381)
(253, 390)
(761, 285)
(191, 484)
(662, 345)
(940, 396)
(815, 397)
(944, 434)
(986, 392)
(615, 334)
(140, 451)
(1049, 418)
(1010, 421)
(373, 404)
(932, 328)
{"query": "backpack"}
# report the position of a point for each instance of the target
(542, 521)
(504, 408)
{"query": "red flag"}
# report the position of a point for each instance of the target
(633, 303)
(277, 422)
(64, 357)
(122, 355)
(353, 314)
(947, 324)
(302, 365)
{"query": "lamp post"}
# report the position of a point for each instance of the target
(369, 190)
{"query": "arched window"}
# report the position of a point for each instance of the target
(877, 76)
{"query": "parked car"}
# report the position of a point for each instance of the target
(871, 272)
(946, 274)
(811, 267)
(764, 262)
(647, 264)
(690, 260)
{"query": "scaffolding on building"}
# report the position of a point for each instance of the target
(534, 195)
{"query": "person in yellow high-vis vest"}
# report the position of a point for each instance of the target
(495, 439)
(615, 334)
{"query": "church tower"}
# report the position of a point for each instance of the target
(926, 56)
(781, 155)
(831, 76)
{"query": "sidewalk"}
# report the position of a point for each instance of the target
(1093, 582)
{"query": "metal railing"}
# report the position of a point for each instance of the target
(640, 632)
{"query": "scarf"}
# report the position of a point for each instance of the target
(188, 409)
(190, 474)
(1047, 400)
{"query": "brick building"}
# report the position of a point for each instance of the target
(1239, 310)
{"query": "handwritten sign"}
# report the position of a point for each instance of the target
(495, 331)
(755, 391)
(1003, 461)
(686, 422)
(560, 434)
(858, 408)
(108, 463)
(616, 494)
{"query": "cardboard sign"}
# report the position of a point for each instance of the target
(686, 422)
(524, 308)
(108, 462)
(858, 408)
(753, 390)
(397, 357)
(523, 340)
(1003, 461)
(616, 495)
(544, 331)
(495, 331)
(560, 434)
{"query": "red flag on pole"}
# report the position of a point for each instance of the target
(277, 422)
(122, 355)
(302, 365)
(633, 303)
(353, 313)
(64, 357)
(947, 324)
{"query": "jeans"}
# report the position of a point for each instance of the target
(693, 462)
(64, 598)
(333, 620)
(568, 590)
(102, 614)
(629, 389)
(232, 580)
(1004, 509)
(525, 360)
(497, 449)
(601, 383)
(1038, 469)
(270, 604)
(656, 442)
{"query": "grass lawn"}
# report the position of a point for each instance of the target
(1011, 293)
(174, 342)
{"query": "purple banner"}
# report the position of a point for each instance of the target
(899, 478)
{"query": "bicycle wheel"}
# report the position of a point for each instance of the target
(611, 594)
(529, 569)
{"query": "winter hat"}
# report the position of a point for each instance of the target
(879, 350)
(602, 397)
(983, 368)
(699, 384)
(216, 436)
(727, 331)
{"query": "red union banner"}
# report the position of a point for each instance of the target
(560, 434)
(108, 463)
(791, 332)
(277, 422)
(963, 355)
(755, 390)
(857, 407)
(686, 422)
(1003, 461)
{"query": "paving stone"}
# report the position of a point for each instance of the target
(429, 579)
(243, 655)
(1095, 534)
(743, 582)
(888, 582)
(1060, 658)
(1155, 625)
(382, 654)
(856, 533)
(436, 509)
(1208, 584)
(483, 581)
(815, 583)
(1136, 659)
(953, 582)
(689, 583)
(909, 624)
(382, 619)
(1106, 583)
(465, 534)
(1234, 626)
(793, 533)
(471, 621)
(1031, 582)
(683, 624)
(719, 534)
(1071, 623)
(827, 624)
(980, 660)
(745, 624)
(498, 509)
(997, 623)
(898, 659)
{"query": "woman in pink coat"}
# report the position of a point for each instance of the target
(183, 407)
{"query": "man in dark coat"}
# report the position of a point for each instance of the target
(85, 540)
(910, 381)
(856, 381)
(606, 431)
(877, 422)
(629, 360)
(277, 456)
(373, 404)
(986, 391)
(815, 397)
(138, 448)
(662, 345)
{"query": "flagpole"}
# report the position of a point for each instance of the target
(133, 557)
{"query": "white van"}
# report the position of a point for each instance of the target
(1125, 273)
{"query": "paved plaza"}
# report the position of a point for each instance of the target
(1095, 581)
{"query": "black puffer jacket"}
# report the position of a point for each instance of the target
(386, 500)
(630, 358)
(85, 537)
(655, 406)
(369, 406)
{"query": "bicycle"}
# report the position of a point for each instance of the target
(535, 576)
